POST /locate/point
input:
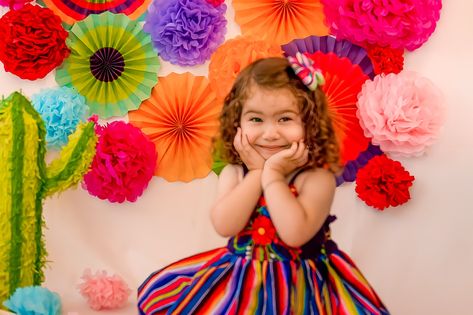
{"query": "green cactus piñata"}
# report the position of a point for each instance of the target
(24, 183)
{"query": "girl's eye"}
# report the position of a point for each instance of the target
(256, 119)
(283, 119)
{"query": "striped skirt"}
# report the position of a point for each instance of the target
(221, 282)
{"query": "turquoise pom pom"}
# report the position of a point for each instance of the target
(34, 301)
(61, 109)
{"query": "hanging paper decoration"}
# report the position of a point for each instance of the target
(386, 60)
(32, 42)
(327, 44)
(71, 11)
(181, 118)
(34, 300)
(401, 24)
(383, 183)
(26, 181)
(280, 21)
(14, 4)
(123, 165)
(215, 3)
(233, 56)
(218, 163)
(343, 82)
(104, 292)
(401, 112)
(351, 168)
(112, 63)
(186, 32)
(61, 110)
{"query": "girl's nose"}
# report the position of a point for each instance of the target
(270, 132)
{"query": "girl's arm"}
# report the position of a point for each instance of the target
(236, 199)
(297, 220)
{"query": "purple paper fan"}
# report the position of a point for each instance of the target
(352, 167)
(326, 44)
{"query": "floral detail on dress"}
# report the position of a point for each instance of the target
(263, 231)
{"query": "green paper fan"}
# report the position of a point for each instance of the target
(112, 63)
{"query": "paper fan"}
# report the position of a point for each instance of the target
(343, 81)
(181, 118)
(351, 168)
(71, 11)
(326, 44)
(112, 63)
(280, 21)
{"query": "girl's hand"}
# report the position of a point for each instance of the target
(252, 159)
(286, 161)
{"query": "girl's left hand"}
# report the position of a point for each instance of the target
(286, 161)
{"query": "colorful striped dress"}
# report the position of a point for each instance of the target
(256, 273)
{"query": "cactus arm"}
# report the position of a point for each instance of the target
(74, 160)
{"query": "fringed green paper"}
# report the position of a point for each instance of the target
(26, 182)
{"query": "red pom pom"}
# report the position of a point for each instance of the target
(383, 183)
(123, 165)
(32, 42)
(386, 60)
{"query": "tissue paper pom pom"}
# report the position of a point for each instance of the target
(14, 4)
(34, 301)
(103, 291)
(215, 3)
(32, 42)
(399, 24)
(233, 56)
(383, 183)
(61, 109)
(186, 32)
(401, 112)
(123, 165)
(386, 60)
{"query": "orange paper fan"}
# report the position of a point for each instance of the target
(181, 118)
(280, 21)
(343, 81)
(233, 56)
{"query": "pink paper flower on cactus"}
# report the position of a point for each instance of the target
(14, 4)
(103, 291)
(401, 112)
(398, 24)
(123, 165)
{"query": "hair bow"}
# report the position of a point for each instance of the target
(306, 71)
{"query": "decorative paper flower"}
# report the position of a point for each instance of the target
(263, 231)
(32, 42)
(186, 32)
(71, 11)
(14, 4)
(386, 60)
(280, 21)
(61, 109)
(103, 291)
(383, 183)
(401, 112)
(123, 165)
(401, 24)
(233, 56)
(112, 63)
(181, 118)
(350, 169)
(34, 300)
(215, 3)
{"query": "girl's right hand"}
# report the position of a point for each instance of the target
(252, 159)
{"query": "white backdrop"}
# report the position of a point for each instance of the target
(417, 256)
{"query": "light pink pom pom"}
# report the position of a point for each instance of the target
(103, 291)
(401, 112)
(395, 23)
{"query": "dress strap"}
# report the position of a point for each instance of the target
(293, 179)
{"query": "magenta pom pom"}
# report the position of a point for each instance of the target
(123, 165)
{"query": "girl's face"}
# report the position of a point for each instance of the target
(271, 120)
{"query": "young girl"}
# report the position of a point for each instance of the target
(273, 201)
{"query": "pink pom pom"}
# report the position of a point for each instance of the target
(123, 165)
(103, 291)
(398, 24)
(401, 112)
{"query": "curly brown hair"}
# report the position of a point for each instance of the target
(276, 73)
